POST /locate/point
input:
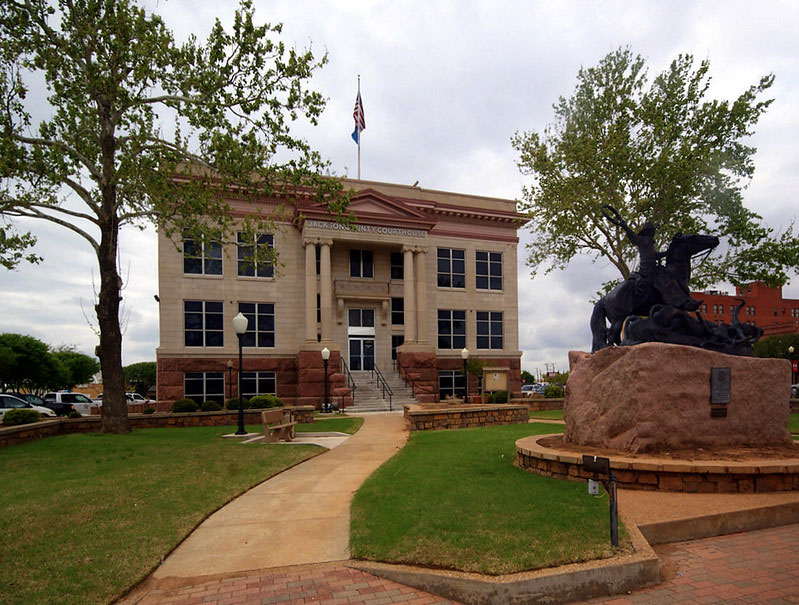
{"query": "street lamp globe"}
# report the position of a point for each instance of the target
(325, 353)
(464, 353)
(240, 324)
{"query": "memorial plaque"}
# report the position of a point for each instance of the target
(720, 380)
(718, 411)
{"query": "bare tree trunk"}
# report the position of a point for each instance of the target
(115, 409)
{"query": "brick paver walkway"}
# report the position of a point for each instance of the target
(753, 567)
(324, 585)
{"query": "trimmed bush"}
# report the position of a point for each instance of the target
(148, 410)
(210, 406)
(553, 391)
(233, 403)
(185, 405)
(498, 397)
(74, 414)
(265, 401)
(19, 416)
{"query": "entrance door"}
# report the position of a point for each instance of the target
(362, 353)
(361, 337)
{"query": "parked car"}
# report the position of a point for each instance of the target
(795, 391)
(527, 390)
(131, 398)
(9, 402)
(60, 409)
(79, 402)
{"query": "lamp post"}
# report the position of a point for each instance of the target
(465, 356)
(240, 325)
(325, 357)
(229, 378)
(793, 363)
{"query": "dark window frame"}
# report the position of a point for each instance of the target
(260, 324)
(246, 264)
(201, 256)
(252, 383)
(451, 268)
(362, 263)
(488, 270)
(206, 379)
(490, 330)
(451, 329)
(203, 327)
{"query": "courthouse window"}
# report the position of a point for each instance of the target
(361, 318)
(257, 383)
(361, 263)
(451, 268)
(397, 311)
(397, 266)
(260, 324)
(452, 383)
(488, 270)
(489, 330)
(202, 323)
(451, 329)
(204, 386)
(248, 246)
(201, 256)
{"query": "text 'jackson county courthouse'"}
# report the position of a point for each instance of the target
(423, 275)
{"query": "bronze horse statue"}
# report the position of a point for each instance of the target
(639, 293)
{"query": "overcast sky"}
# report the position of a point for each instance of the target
(445, 84)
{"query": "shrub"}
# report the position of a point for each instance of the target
(210, 406)
(74, 414)
(148, 410)
(498, 397)
(266, 401)
(233, 403)
(20, 416)
(553, 391)
(185, 405)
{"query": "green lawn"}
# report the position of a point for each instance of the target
(454, 499)
(548, 414)
(339, 424)
(87, 516)
(793, 423)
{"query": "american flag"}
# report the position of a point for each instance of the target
(360, 119)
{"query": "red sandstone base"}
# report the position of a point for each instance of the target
(750, 474)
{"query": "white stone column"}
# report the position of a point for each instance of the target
(310, 291)
(409, 293)
(421, 296)
(326, 291)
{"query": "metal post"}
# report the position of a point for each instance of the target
(240, 430)
(326, 405)
(465, 383)
(614, 516)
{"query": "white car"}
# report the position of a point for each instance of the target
(9, 402)
(130, 397)
(83, 405)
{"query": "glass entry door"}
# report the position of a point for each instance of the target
(362, 353)
(361, 337)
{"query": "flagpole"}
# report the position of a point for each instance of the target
(359, 133)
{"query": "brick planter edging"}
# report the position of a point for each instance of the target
(656, 474)
(426, 417)
(14, 435)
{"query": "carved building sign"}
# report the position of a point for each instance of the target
(397, 231)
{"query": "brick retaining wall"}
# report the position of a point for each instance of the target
(14, 435)
(650, 473)
(426, 417)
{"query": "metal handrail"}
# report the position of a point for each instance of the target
(379, 379)
(350, 380)
(415, 386)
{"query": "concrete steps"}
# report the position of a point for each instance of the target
(369, 394)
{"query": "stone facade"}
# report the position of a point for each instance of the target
(328, 277)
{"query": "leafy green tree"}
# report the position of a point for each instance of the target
(527, 377)
(139, 128)
(79, 367)
(25, 363)
(141, 375)
(777, 346)
(656, 150)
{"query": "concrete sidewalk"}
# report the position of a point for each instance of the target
(298, 517)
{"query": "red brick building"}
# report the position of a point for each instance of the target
(764, 307)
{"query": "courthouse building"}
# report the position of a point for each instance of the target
(419, 277)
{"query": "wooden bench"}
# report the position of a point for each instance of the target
(278, 425)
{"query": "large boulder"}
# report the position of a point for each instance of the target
(657, 397)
